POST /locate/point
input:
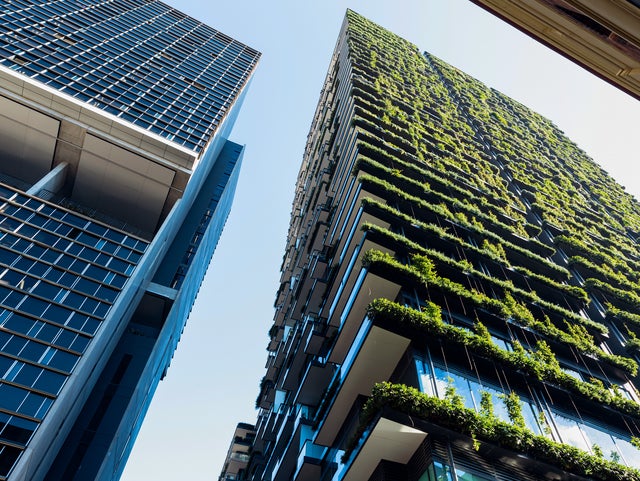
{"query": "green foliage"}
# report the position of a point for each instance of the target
(597, 451)
(514, 409)
(481, 427)
(633, 344)
(541, 364)
(545, 356)
(495, 250)
(623, 315)
(482, 331)
(508, 308)
(424, 266)
(629, 297)
(486, 405)
(451, 395)
(433, 311)
(517, 310)
(374, 59)
(544, 423)
(575, 291)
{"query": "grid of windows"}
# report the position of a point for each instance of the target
(570, 428)
(60, 273)
(141, 61)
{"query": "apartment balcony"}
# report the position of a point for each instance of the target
(268, 430)
(351, 217)
(309, 462)
(266, 396)
(236, 462)
(362, 287)
(372, 358)
(314, 382)
(297, 448)
(315, 336)
(290, 379)
(314, 292)
(386, 440)
(396, 436)
(316, 239)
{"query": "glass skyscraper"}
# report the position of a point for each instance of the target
(460, 289)
(116, 178)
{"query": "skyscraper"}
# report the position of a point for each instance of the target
(116, 180)
(459, 296)
(238, 454)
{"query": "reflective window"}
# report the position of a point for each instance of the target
(15, 429)
(12, 396)
(437, 472)
(8, 456)
(436, 380)
(572, 429)
(569, 431)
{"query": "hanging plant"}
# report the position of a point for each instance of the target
(540, 366)
(484, 428)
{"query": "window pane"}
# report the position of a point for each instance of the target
(465, 476)
(11, 396)
(570, 431)
(630, 453)
(424, 378)
(18, 430)
(8, 456)
(32, 404)
(32, 351)
(50, 382)
(603, 440)
(63, 361)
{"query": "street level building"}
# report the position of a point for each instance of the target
(116, 178)
(460, 297)
(238, 454)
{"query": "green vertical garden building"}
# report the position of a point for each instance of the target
(460, 291)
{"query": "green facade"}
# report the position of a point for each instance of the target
(466, 232)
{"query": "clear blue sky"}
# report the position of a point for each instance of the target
(213, 381)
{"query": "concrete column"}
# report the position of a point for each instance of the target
(53, 181)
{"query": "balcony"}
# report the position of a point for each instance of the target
(309, 459)
(317, 377)
(296, 449)
(374, 355)
(387, 440)
(315, 335)
(353, 306)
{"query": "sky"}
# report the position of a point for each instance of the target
(213, 380)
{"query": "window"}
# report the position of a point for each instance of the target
(436, 380)
(15, 429)
(569, 431)
(437, 472)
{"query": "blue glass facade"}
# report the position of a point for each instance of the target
(61, 273)
(144, 62)
(116, 179)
